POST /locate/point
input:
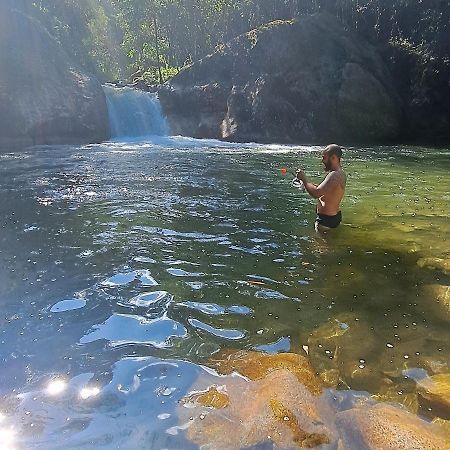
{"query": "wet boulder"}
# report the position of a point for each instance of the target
(45, 97)
(256, 366)
(288, 81)
(387, 427)
(277, 411)
(346, 348)
(441, 295)
(434, 395)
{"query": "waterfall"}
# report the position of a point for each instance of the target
(134, 113)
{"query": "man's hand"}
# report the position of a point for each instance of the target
(300, 175)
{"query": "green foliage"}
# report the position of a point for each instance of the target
(136, 39)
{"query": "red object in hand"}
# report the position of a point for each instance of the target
(283, 171)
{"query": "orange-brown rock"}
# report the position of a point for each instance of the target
(276, 409)
(255, 366)
(211, 398)
(385, 427)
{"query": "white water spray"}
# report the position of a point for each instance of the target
(134, 113)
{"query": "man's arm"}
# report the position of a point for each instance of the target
(320, 190)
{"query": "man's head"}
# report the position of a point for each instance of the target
(331, 157)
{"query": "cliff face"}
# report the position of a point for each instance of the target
(44, 97)
(288, 81)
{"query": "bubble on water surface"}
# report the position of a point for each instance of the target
(68, 305)
(219, 332)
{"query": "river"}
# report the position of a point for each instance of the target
(125, 266)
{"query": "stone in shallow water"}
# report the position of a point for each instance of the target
(211, 398)
(434, 393)
(440, 293)
(277, 409)
(385, 427)
(255, 366)
(435, 365)
(340, 344)
(435, 263)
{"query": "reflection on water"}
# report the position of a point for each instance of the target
(125, 267)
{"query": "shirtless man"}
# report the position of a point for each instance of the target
(330, 192)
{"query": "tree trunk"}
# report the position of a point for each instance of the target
(158, 59)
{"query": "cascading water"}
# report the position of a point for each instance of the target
(134, 113)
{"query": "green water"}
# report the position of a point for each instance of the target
(214, 249)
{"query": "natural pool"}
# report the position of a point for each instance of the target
(125, 269)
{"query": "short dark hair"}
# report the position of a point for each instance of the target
(334, 149)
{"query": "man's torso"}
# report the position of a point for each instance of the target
(330, 203)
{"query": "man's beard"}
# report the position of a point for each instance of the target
(327, 167)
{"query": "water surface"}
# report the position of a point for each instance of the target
(124, 267)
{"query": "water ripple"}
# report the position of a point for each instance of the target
(122, 329)
(219, 332)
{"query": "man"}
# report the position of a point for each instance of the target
(330, 192)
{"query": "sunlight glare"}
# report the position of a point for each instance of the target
(86, 392)
(56, 386)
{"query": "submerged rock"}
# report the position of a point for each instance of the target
(277, 410)
(346, 345)
(273, 408)
(386, 427)
(256, 366)
(44, 97)
(287, 81)
(435, 365)
(441, 294)
(434, 393)
(435, 263)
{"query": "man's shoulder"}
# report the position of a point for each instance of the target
(337, 176)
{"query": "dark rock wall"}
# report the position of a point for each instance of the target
(292, 81)
(44, 98)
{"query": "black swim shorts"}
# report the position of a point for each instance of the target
(329, 221)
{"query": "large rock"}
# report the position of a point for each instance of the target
(276, 411)
(288, 81)
(385, 427)
(256, 366)
(44, 98)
